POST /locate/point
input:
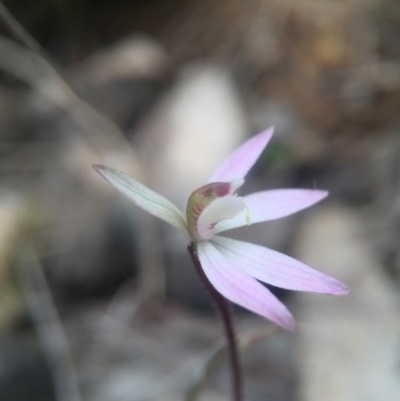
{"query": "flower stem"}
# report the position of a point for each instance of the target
(224, 308)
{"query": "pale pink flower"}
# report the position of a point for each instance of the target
(234, 267)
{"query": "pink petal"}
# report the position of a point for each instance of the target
(144, 197)
(276, 268)
(238, 164)
(271, 205)
(241, 288)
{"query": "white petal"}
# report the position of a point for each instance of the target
(241, 288)
(144, 197)
(271, 205)
(219, 209)
(276, 268)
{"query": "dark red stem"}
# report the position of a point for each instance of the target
(224, 308)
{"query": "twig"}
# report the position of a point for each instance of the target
(19, 32)
(93, 122)
(99, 130)
(47, 323)
(112, 328)
(214, 361)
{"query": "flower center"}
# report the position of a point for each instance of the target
(210, 204)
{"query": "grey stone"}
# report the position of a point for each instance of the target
(348, 347)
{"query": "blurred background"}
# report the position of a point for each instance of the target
(99, 301)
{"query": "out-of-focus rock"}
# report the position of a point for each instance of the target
(122, 81)
(136, 55)
(25, 373)
(385, 212)
(166, 350)
(90, 247)
(158, 358)
(90, 232)
(125, 80)
(347, 346)
(304, 145)
(196, 125)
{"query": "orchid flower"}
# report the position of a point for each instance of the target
(234, 267)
